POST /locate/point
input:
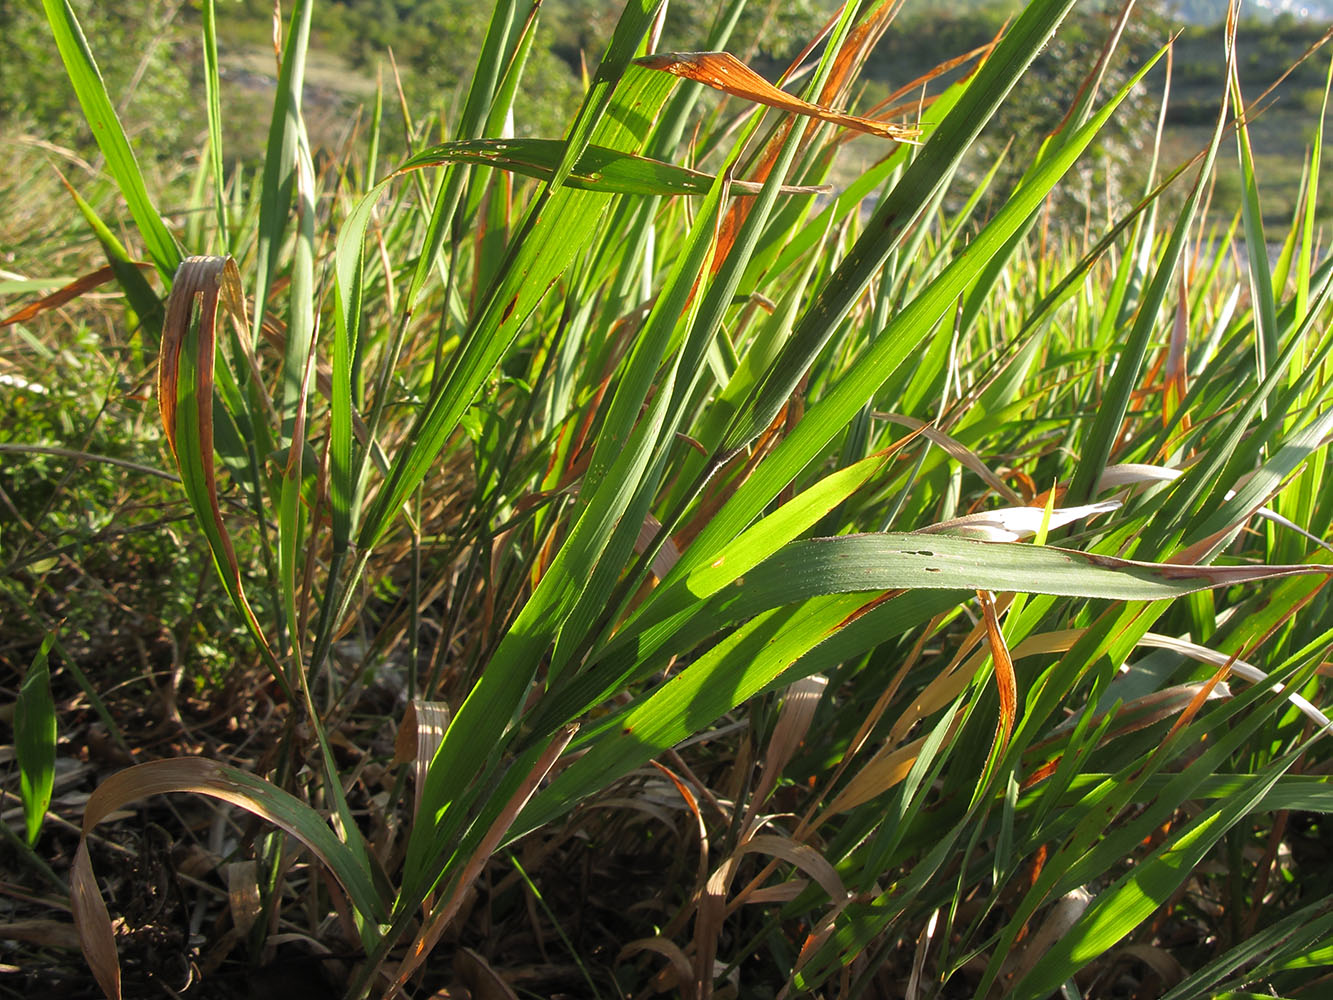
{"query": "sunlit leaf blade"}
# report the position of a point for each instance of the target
(895, 214)
(888, 350)
(101, 117)
(551, 236)
(280, 157)
(212, 91)
(147, 305)
(1100, 443)
(843, 566)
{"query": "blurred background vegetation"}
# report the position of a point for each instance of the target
(148, 50)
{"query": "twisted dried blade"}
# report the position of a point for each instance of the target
(185, 376)
(80, 285)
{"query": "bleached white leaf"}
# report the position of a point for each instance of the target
(1011, 524)
(1133, 473)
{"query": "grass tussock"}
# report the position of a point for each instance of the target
(622, 562)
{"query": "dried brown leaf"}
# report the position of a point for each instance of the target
(93, 923)
(672, 952)
(80, 285)
(723, 71)
(419, 736)
(1011, 524)
(483, 981)
(957, 451)
(692, 806)
(798, 711)
(243, 894)
(802, 856)
(884, 770)
(49, 933)
(202, 777)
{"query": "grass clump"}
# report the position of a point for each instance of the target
(628, 502)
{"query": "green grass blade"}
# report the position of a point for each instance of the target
(476, 108)
(1256, 243)
(110, 135)
(1131, 900)
(558, 226)
(1295, 933)
(35, 741)
(1095, 450)
(278, 184)
(212, 94)
(596, 169)
(139, 293)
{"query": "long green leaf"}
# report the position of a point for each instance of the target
(110, 136)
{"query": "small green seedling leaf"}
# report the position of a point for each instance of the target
(35, 741)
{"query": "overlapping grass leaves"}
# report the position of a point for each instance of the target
(650, 450)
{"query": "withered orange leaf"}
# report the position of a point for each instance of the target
(723, 71)
(1006, 680)
(84, 283)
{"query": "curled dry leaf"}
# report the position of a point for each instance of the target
(672, 952)
(97, 938)
(798, 711)
(202, 284)
(185, 391)
(1149, 709)
(201, 777)
(47, 933)
(923, 942)
(243, 894)
(783, 893)
(1163, 964)
(1059, 919)
(1006, 680)
(1238, 667)
(723, 71)
(419, 736)
(962, 454)
(802, 856)
(691, 806)
(483, 981)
